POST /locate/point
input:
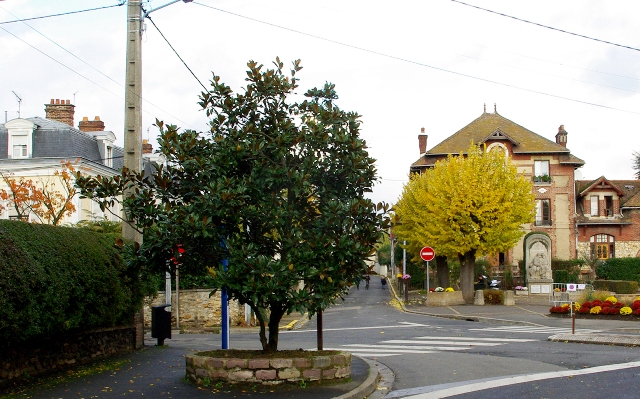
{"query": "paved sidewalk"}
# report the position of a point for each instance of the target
(531, 310)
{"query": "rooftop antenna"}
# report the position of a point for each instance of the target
(74, 97)
(19, 101)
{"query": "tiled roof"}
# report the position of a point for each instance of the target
(525, 141)
(629, 188)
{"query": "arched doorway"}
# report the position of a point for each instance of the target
(603, 246)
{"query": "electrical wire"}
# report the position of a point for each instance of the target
(546, 26)
(122, 2)
(89, 65)
(416, 62)
(176, 53)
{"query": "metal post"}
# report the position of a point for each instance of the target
(177, 298)
(427, 277)
(319, 332)
(225, 311)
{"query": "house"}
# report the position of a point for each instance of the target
(608, 218)
(34, 148)
(549, 164)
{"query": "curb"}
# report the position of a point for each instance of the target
(616, 340)
(368, 386)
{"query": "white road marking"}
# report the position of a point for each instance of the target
(432, 392)
(534, 330)
(417, 347)
(358, 328)
(478, 339)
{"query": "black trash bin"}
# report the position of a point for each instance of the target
(160, 323)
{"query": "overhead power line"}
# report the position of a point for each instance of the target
(547, 26)
(122, 2)
(416, 62)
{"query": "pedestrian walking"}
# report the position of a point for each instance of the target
(358, 282)
(367, 279)
(383, 281)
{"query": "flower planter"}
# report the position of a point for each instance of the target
(521, 292)
(445, 298)
(267, 370)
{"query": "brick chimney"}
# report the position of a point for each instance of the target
(147, 148)
(60, 110)
(561, 137)
(422, 141)
(96, 125)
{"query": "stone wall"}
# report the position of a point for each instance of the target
(268, 371)
(39, 357)
(197, 310)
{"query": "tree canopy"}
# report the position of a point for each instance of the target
(276, 187)
(464, 207)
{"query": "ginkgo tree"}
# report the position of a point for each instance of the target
(465, 206)
(49, 199)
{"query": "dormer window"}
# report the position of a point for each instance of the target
(20, 138)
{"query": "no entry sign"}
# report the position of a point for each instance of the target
(427, 254)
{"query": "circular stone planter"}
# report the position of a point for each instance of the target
(445, 298)
(235, 366)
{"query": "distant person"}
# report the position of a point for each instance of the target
(383, 281)
(367, 280)
(358, 282)
(482, 282)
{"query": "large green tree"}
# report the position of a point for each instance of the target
(466, 206)
(276, 187)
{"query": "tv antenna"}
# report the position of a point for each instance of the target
(19, 101)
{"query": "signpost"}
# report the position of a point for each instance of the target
(427, 254)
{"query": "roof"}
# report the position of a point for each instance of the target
(629, 190)
(53, 139)
(494, 126)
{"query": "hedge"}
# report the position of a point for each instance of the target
(620, 269)
(57, 280)
(617, 286)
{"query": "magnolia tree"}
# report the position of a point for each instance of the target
(467, 205)
(276, 187)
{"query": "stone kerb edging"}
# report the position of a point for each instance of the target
(271, 371)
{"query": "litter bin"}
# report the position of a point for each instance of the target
(160, 323)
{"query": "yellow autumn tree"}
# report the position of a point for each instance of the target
(466, 206)
(48, 199)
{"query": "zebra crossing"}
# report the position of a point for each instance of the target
(535, 330)
(424, 345)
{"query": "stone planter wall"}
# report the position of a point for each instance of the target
(197, 310)
(445, 298)
(268, 371)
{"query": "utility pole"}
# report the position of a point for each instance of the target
(133, 126)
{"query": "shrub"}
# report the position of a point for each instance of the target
(620, 269)
(59, 279)
(493, 297)
(617, 286)
(625, 311)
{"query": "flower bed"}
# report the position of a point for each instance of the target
(607, 308)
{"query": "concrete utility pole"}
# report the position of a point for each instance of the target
(133, 102)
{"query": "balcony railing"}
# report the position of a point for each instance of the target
(542, 222)
(542, 179)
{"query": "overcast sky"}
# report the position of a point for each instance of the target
(402, 65)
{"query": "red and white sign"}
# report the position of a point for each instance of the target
(427, 254)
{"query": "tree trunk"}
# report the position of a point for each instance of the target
(467, 266)
(442, 271)
(277, 311)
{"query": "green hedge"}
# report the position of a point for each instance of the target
(56, 280)
(620, 269)
(617, 286)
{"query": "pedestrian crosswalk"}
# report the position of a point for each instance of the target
(423, 345)
(535, 330)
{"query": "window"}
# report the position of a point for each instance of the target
(19, 144)
(602, 246)
(608, 205)
(543, 212)
(594, 205)
(540, 168)
(109, 159)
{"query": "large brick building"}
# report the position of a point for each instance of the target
(549, 164)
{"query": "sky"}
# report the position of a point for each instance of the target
(402, 65)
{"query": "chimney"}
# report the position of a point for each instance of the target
(146, 147)
(422, 141)
(96, 125)
(561, 137)
(60, 110)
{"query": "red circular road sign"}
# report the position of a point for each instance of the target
(427, 254)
